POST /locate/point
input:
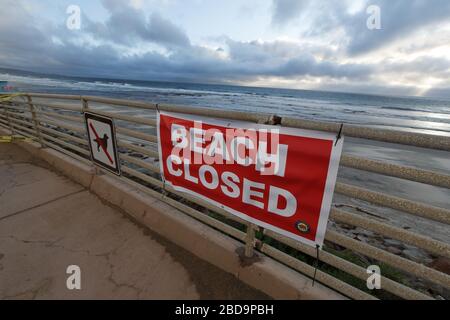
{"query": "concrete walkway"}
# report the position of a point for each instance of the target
(48, 222)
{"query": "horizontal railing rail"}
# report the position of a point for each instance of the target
(56, 121)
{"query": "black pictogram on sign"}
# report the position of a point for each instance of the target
(102, 141)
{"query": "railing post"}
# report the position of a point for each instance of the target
(249, 241)
(35, 121)
(9, 121)
(84, 105)
(84, 108)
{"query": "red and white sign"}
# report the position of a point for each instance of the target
(276, 177)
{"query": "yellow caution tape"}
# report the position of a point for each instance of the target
(9, 139)
(7, 97)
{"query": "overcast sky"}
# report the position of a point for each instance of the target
(305, 44)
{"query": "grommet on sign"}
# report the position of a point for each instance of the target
(302, 226)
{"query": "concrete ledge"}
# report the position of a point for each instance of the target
(70, 167)
(266, 275)
(31, 147)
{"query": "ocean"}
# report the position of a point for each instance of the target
(416, 114)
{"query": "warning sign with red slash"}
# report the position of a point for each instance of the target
(102, 141)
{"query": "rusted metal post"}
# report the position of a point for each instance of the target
(250, 241)
(35, 121)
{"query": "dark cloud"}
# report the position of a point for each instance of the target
(307, 65)
(127, 25)
(32, 47)
(286, 10)
(19, 36)
(438, 67)
(399, 18)
(282, 59)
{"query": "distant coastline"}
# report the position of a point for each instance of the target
(188, 82)
(425, 115)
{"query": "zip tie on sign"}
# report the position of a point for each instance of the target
(8, 96)
(339, 135)
(316, 264)
(165, 192)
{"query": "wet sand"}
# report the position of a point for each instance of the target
(429, 159)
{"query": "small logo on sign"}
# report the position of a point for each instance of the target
(301, 226)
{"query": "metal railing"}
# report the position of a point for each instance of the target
(56, 121)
